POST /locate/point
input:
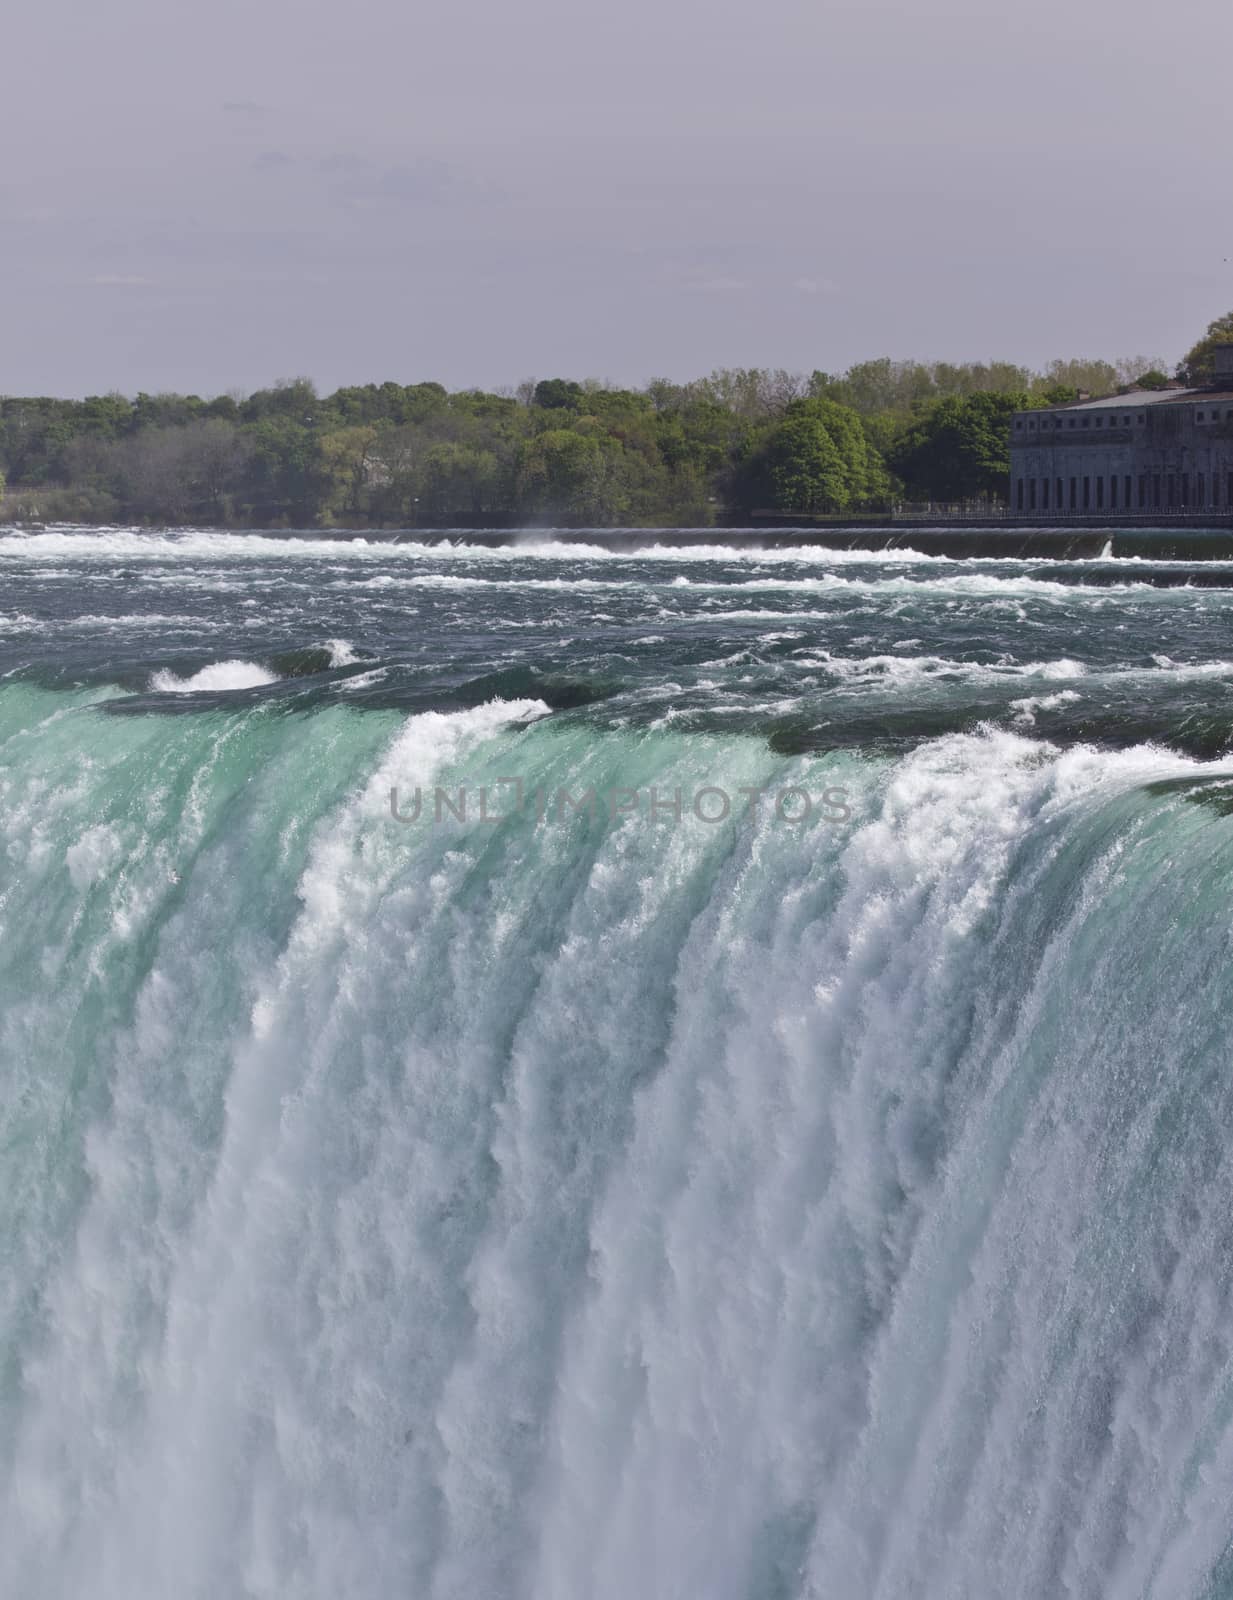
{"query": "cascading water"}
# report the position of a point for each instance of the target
(573, 1200)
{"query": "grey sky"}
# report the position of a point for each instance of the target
(202, 198)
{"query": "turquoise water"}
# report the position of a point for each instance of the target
(588, 1202)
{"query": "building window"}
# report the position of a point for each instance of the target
(1087, 494)
(1100, 493)
(1126, 502)
(1044, 494)
(1200, 491)
(1172, 490)
(1060, 496)
(1019, 496)
(1155, 491)
(1032, 495)
(1143, 491)
(1113, 493)
(1074, 493)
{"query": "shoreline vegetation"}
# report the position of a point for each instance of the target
(740, 443)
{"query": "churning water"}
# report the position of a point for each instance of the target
(586, 1200)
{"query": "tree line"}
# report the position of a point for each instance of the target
(554, 452)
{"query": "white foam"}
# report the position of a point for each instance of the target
(1031, 704)
(219, 675)
(93, 854)
(663, 1211)
(133, 546)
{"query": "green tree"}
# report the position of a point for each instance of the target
(818, 459)
(345, 464)
(960, 449)
(561, 478)
(1199, 364)
(878, 388)
(557, 394)
(293, 398)
(458, 483)
(282, 484)
(1097, 378)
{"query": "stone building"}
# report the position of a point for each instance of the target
(1141, 453)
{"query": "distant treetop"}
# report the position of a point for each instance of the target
(1198, 365)
(740, 440)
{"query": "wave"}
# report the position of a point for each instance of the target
(1031, 704)
(221, 676)
(906, 670)
(218, 676)
(101, 622)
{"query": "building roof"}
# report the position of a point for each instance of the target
(1141, 397)
(1137, 397)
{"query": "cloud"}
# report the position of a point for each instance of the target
(356, 183)
(38, 214)
(718, 285)
(244, 108)
(368, 186)
(702, 277)
(816, 286)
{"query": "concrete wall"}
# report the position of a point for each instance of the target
(1173, 456)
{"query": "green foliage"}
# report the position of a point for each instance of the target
(1095, 378)
(1152, 380)
(903, 388)
(561, 477)
(557, 394)
(960, 449)
(345, 458)
(387, 454)
(817, 459)
(1057, 394)
(459, 484)
(1198, 365)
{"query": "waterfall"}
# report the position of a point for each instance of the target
(595, 1204)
